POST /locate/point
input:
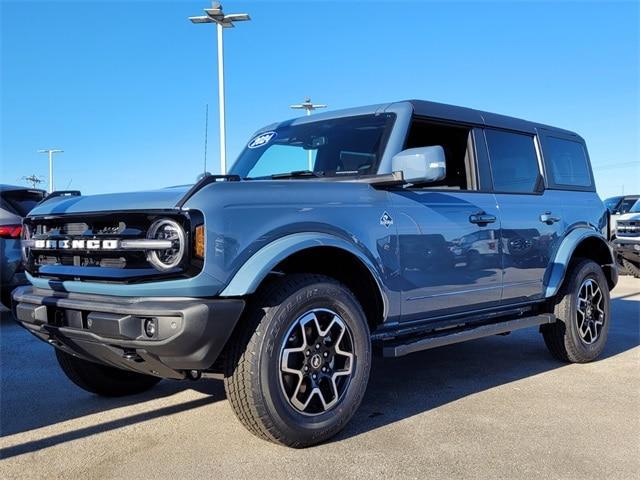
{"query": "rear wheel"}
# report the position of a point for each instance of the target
(101, 379)
(582, 310)
(297, 369)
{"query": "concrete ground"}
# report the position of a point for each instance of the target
(498, 407)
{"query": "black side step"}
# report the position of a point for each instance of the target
(438, 339)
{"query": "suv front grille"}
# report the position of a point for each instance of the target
(628, 228)
(102, 263)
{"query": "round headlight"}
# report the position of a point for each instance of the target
(166, 229)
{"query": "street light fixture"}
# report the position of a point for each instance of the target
(217, 16)
(309, 106)
(50, 151)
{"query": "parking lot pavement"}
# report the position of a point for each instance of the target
(498, 407)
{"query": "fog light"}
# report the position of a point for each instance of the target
(150, 327)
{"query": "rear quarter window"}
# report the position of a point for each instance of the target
(567, 163)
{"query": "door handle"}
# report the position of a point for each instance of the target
(549, 218)
(482, 218)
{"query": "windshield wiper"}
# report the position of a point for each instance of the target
(296, 174)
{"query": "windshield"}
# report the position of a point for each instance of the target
(626, 204)
(341, 146)
(636, 207)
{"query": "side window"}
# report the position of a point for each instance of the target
(514, 163)
(458, 149)
(567, 162)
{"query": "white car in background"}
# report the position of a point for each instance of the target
(627, 240)
(619, 206)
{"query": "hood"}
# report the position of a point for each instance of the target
(163, 199)
(629, 216)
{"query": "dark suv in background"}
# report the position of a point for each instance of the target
(15, 203)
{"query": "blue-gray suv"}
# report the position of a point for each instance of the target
(395, 228)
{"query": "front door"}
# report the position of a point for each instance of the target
(449, 251)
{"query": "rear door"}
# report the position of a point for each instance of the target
(531, 216)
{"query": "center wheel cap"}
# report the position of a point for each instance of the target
(316, 361)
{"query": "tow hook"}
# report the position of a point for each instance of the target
(132, 356)
(194, 375)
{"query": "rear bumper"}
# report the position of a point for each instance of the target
(190, 333)
(628, 248)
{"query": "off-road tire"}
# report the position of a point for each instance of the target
(631, 268)
(252, 361)
(101, 379)
(562, 337)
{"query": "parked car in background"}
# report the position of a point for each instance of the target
(627, 241)
(15, 203)
(619, 206)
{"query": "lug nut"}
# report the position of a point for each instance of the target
(308, 352)
(317, 346)
(325, 354)
(314, 376)
(306, 368)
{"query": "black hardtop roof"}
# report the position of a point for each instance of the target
(479, 117)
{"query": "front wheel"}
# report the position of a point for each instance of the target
(298, 367)
(583, 315)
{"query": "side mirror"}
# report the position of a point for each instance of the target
(421, 165)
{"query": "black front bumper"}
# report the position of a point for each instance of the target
(627, 248)
(190, 333)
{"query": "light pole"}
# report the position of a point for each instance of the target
(309, 106)
(215, 15)
(50, 151)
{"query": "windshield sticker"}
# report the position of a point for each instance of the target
(262, 139)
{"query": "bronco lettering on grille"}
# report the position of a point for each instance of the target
(76, 244)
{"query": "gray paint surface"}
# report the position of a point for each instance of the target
(427, 258)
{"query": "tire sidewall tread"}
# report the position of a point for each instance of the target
(262, 406)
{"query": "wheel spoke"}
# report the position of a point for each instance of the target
(590, 316)
(315, 371)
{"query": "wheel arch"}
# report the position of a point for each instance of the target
(580, 243)
(315, 253)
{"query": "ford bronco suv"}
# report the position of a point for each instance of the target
(391, 228)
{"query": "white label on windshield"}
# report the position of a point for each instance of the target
(262, 139)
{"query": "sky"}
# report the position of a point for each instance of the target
(122, 86)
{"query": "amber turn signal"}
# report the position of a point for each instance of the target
(199, 241)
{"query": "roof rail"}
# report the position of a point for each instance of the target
(203, 182)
